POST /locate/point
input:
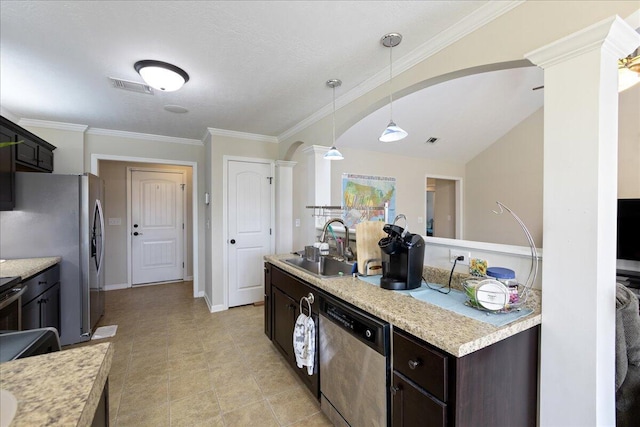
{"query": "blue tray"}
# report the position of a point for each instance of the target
(455, 301)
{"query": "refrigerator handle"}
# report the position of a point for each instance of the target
(101, 216)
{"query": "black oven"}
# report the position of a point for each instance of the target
(11, 291)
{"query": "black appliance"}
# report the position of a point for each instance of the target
(628, 241)
(402, 258)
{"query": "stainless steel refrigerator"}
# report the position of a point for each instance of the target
(61, 215)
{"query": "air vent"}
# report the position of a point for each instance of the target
(132, 86)
(432, 140)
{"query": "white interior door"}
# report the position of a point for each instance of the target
(156, 226)
(249, 232)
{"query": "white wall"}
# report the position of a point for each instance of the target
(230, 146)
(409, 172)
(509, 171)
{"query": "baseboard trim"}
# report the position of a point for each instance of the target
(116, 286)
(219, 307)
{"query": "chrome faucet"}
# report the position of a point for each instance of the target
(345, 250)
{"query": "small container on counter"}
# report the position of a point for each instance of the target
(507, 277)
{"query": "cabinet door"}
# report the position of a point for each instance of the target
(45, 158)
(7, 171)
(414, 407)
(284, 319)
(31, 314)
(50, 308)
(27, 153)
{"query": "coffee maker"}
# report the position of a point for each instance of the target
(402, 257)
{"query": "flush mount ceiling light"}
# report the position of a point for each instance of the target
(629, 71)
(161, 75)
(393, 132)
(333, 153)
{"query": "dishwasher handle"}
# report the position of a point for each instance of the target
(12, 296)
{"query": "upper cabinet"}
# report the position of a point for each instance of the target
(31, 154)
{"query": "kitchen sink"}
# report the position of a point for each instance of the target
(326, 267)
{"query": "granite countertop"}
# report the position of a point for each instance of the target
(27, 267)
(58, 389)
(454, 333)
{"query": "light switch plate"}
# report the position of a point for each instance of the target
(115, 221)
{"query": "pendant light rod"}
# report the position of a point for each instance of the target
(333, 153)
(392, 132)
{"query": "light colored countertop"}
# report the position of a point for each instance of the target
(456, 334)
(27, 267)
(58, 389)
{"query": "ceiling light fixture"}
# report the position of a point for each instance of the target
(629, 71)
(393, 132)
(161, 75)
(333, 153)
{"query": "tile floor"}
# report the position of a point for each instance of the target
(176, 364)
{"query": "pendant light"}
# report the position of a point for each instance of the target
(393, 132)
(161, 75)
(333, 153)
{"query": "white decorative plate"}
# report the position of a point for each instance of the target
(492, 295)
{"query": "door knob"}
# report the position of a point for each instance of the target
(135, 233)
(232, 241)
(135, 225)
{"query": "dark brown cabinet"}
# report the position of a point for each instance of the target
(494, 386)
(267, 300)
(41, 300)
(284, 320)
(283, 307)
(412, 406)
(7, 170)
(31, 154)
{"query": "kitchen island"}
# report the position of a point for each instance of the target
(64, 388)
(453, 333)
(445, 369)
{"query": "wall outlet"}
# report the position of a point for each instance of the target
(297, 222)
(454, 253)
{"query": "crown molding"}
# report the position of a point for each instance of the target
(53, 125)
(143, 136)
(243, 135)
(285, 163)
(612, 33)
(315, 150)
(482, 16)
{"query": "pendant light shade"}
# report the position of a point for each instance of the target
(333, 153)
(393, 132)
(161, 75)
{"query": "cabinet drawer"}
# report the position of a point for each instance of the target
(421, 364)
(292, 287)
(40, 283)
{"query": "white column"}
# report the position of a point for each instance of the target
(284, 206)
(577, 366)
(318, 187)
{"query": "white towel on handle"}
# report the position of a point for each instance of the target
(304, 342)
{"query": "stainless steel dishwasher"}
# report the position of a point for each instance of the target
(354, 366)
